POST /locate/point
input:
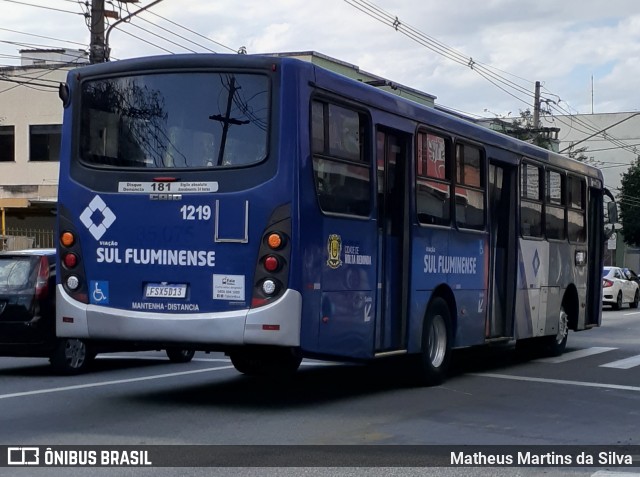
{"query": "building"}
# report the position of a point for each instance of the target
(30, 127)
(609, 141)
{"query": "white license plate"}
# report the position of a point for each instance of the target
(165, 290)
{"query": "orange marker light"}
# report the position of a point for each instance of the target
(67, 239)
(275, 241)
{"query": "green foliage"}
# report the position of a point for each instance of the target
(523, 128)
(629, 204)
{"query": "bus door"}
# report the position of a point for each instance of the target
(595, 247)
(503, 258)
(393, 240)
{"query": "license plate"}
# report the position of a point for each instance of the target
(165, 290)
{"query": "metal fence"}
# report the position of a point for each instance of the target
(18, 238)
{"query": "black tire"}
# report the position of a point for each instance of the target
(555, 345)
(278, 362)
(618, 304)
(71, 356)
(636, 300)
(543, 346)
(180, 355)
(436, 344)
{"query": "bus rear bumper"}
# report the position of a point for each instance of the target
(275, 324)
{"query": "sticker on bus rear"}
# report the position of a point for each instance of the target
(99, 292)
(228, 287)
(167, 187)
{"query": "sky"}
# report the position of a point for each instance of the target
(477, 57)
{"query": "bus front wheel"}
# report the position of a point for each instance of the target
(556, 344)
(436, 343)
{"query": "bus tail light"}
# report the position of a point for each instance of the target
(275, 241)
(67, 239)
(71, 273)
(271, 263)
(70, 260)
(272, 269)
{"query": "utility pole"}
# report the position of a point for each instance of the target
(97, 48)
(536, 109)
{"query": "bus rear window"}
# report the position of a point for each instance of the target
(168, 121)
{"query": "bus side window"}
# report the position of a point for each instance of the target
(470, 167)
(576, 222)
(530, 200)
(341, 167)
(433, 181)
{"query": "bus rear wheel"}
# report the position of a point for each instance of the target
(436, 343)
(278, 362)
(180, 355)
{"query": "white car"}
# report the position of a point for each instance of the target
(618, 289)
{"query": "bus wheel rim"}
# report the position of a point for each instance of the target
(563, 326)
(437, 341)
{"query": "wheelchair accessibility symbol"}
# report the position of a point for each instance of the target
(99, 292)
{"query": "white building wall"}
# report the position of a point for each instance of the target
(604, 148)
(22, 106)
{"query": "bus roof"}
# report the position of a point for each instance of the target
(355, 90)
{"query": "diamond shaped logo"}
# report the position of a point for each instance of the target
(97, 217)
(536, 263)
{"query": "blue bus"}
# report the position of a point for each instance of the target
(273, 210)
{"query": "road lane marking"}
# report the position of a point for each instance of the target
(109, 383)
(623, 363)
(305, 362)
(582, 353)
(609, 473)
(558, 381)
(632, 313)
(158, 358)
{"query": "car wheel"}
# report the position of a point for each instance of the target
(179, 355)
(618, 304)
(71, 356)
(636, 300)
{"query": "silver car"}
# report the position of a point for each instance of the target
(617, 289)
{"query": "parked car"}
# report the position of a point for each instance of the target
(618, 289)
(28, 315)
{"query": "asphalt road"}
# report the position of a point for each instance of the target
(589, 396)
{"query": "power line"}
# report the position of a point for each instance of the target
(191, 31)
(42, 6)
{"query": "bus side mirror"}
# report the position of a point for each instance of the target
(64, 94)
(612, 210)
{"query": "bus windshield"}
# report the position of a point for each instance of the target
(169, 120)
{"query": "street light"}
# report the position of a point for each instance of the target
(124, 19)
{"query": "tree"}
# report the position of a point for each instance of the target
(523, 128)
(630, 205)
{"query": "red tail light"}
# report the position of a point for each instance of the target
(42, 282)
(271, 263)
(70, 260)
(607, 283)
